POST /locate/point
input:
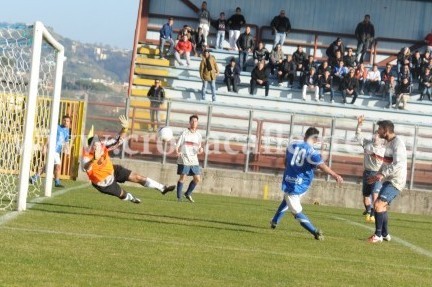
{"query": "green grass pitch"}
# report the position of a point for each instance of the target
(83, 238)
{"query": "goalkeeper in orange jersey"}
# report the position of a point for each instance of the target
(105, 176)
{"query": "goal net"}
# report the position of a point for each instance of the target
(31, 64)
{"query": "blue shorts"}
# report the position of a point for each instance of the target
(367, 188)
(188, 169)
(388, 192)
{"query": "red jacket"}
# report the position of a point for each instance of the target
(183, 46)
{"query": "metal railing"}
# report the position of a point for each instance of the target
(254, 140)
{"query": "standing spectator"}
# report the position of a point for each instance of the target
(426, 84)
(349, 59)
(373, 158)
(373, 80)
(390, 90)
(208, 73)
(259, 77)
(337, 45)
(235, 22)
(325, 83)
(393, 173)
(183, 47)
(221, 25)
(349, 87)
(204, 21)
(301, 159)
(286, 71)
(232, 76)
(311, 84)
(276, 58)
(166, 36)
(428, 41)
(245, 44)
(197, 41)
(281, 27)
(156, 95)
(188, 148)
(365, 34)
(260, 53)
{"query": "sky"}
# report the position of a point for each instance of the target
(109, 22)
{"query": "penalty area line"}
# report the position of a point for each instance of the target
(14, 214)
(405, 243)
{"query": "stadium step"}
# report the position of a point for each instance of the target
(147, 82)
(152, 62)
(151, 72)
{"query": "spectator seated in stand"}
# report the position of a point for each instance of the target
(403, 58)
(337, 45)
(259, 77)
(183, 47)
(339, 73)
(324, 67)
(373, 80)
(299, 58)
(334, 61)
(425, 59)
(286, 71)
(325, 83)
(390, 90)
(310, 63)
(261, 53)
(310, 83)
(403, 90)
(425, 84)
(350, 87)
(232, 76)
(276, 58)
(361, 75)
(416, 62)
(385, 78)
(350, 60)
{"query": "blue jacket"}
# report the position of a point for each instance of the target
(166, 31)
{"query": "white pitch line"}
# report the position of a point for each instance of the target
(14, 214)
(411, 246)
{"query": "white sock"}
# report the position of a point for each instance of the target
(153, 184)
(128, 196)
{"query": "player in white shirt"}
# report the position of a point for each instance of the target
(188, 147)
(373, 157)
(393, 174)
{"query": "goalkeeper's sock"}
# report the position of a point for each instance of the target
(127, 197)
(153, 184)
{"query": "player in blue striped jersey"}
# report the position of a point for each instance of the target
(300, 162)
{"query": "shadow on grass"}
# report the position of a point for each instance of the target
(185, 221)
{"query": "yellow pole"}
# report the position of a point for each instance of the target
(265, 194)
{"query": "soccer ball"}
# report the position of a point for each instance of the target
(165, 133)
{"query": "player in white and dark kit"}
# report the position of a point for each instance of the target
(300, 162)
(373, 157)
(393, 174)
(188, 147)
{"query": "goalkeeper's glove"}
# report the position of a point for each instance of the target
(124, 123)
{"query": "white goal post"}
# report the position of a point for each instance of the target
(31, 70)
